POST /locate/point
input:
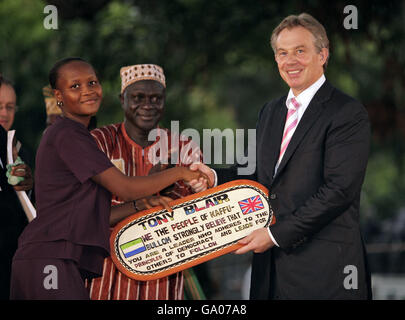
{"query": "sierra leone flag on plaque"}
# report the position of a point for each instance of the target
(132, 247)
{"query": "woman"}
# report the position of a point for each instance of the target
(74, 181)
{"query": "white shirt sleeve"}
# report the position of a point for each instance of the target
(215, 178)
(272, 238)
(1, 165)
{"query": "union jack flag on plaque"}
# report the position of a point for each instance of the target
(251, 204)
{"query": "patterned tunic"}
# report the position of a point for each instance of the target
(133, 160)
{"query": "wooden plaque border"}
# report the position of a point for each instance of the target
(191, 198)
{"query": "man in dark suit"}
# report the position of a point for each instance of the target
(12, 216)
(312, 152)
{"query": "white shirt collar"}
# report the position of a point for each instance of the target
(305, 97)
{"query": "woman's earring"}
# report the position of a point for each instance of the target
(59, 103)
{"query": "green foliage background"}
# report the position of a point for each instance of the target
(218, 63)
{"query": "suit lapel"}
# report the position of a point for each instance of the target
(3, 157)
(3, 145)
(308, 119)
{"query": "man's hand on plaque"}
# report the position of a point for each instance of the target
(201, 184)
(258, 241)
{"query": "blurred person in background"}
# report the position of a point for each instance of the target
(52, 109)
(8, 104)
(13, 218)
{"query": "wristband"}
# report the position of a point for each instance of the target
(14, 180)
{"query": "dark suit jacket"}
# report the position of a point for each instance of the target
(12, 221)
(315, 197)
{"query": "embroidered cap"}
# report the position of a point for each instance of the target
(138, 72)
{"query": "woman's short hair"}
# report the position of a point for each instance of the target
(53, 74)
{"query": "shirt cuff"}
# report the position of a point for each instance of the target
(272, 238)
(215, 178)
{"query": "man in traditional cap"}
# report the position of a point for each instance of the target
(128, 147)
